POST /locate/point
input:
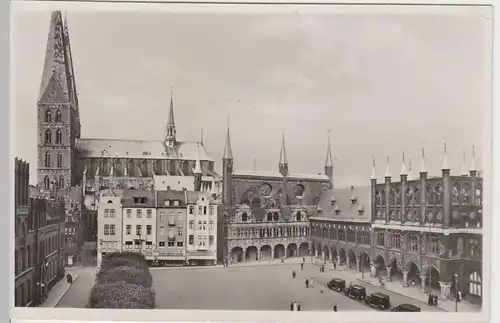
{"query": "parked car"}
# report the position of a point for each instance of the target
(337, 284)
(355, 291)
(378, 300)
(405, 308)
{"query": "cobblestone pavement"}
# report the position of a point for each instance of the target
(78, 294)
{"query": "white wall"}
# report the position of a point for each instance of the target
(144, 221)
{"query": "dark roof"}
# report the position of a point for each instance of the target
(128, 198)
(192, 197)
(170, 195)
(345, 203)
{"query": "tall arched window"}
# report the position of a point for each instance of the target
(61, 181)
(47, 159)
(46, 182)
(59, 160)
(475, 287)
(269, 216)
(58, 136)
(58, 116)
(48, 136)
(56, 183)
(48, 116)
(299, 216)
(244, 217)
(131, 168)
(118, 168)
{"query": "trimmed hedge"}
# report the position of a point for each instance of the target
(127, 274)
(121, 295)
(123, 281)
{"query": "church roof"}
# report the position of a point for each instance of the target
(141, 149)
(345, 204)
(264, 174)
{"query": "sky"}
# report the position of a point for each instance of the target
(380, 84)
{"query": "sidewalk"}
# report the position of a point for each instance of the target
(411, 292)
(274, 262)
(57, 292)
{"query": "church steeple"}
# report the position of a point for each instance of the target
(283, 164)
(228, 152)
(170, 131)
(329, 161)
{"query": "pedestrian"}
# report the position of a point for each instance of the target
(298, 307)
(307, 283)
(293, 274)
(413, 283)
(295, 306)
(303, 259)
(334, 265)
(301, 266)
(312, 283)
(335, 308)
(291, 306)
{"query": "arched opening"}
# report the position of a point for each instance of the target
(171, 167)
(313, 249)
(48, 116)
(131, 168)
(279, 251)
(266, 252)
(304, 249)
(244, 217)
(58, 136)
(342, 258)
(269, 216)
(334, 254)
(432, 280)
(352, 260)
(252, 254)
(396, 272)
(144, 169)
(299, 216)
(186, 169)
(237, 254)
(158, 167)
(380, 265)
(47, 159)
(364, 263)
(276, 216)
(46, 182)
(105, 167)
(58, 116)
(291, 250)
(48, 137)
(118, 169)
(61, 181)
(326, 254)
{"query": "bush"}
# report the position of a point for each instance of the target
(134, 256)
(128, 274)
(121, 295)
(123, 261)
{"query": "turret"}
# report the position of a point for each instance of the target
(373, 181)
(283, 164)
(445, 168)
(404, 185)
(423, 187)
(387, 177)
(197, 171)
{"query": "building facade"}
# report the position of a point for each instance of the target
(40, 241)
(109, 213)
(171, 227)
(341, 228)
(267, 213)
(139, 222)
(429, 230)
(201, 233)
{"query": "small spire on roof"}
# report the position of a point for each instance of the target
(283, 158)
(197, 167)
(473, 161)
(410, 175)
(374, 169)
(404, 171)
(201, 136)
(387, 170)
(329, 160)
(423, 165)
(446, 165)
(464, 171)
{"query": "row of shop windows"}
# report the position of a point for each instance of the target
(362, 237)
(269, 232)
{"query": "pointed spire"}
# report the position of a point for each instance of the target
(464, 171)
(404, 170)
(410, 174)
(170, 131)
(197, 166)
(283, 158)
(213, 189)
(374, 169)
(228, 153)
(329, 159)
(387, 170)
(201, 136)
(56, 59)
(423, 164)
(446, 165)
(473, 161)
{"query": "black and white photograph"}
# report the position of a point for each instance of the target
(295, 159)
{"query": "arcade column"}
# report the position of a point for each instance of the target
(338, 260)
(373, 270)
(445, 289)
(389, 273)
(405, 279)
(423, 279)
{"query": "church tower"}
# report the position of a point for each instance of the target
(170, 130)
(283, 164)
(227, 172)
(58, 114)
(329, 163)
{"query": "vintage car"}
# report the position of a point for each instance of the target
(337, 284)
(355, 291)
(378, 300)
(405, 308)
